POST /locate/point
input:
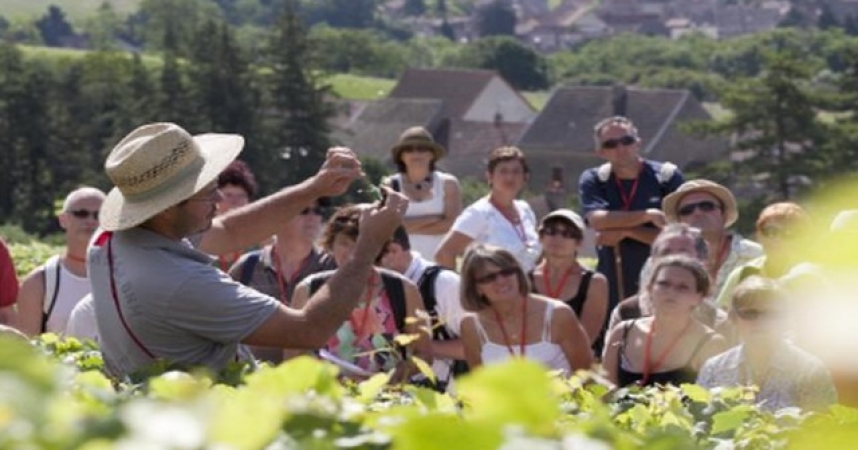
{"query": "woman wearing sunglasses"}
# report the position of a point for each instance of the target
(670, 346)
(510, 322)
(561, 277)
(434, 198)
(785, 375)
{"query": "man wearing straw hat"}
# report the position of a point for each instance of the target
(711, 208)
(156, 295)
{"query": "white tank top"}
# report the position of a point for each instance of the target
(544, 351)
(71, 289)
(427, 244)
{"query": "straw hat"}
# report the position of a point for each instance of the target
(417, 137)
(567, 215)
(670, 204)
(159, 165)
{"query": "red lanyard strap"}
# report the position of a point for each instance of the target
(281, 280)
(649, 367)
(628, 197)
(516, 222)
(506, 340)
(109, 238)
(547, 281)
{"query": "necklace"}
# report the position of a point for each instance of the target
(506, 340)
(649, 366)
(422, 184)
(547, 281)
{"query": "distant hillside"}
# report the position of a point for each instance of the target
(76, 10)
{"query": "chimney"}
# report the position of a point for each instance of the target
(620, 98)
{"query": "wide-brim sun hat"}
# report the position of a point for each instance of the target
(670, 204)
(417, 137)
(567, 215)
(158, 166)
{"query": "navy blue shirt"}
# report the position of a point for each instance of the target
(596, 195)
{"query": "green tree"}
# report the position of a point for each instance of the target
(296, 112)
(496, 18)
(54, 27)
(339, 13)
(414, 7)
(157, 19)
(104, 27)
(520, 65)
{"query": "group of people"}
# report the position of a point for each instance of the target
(178, 263)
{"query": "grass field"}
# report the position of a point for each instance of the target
(76, 10)
(360, 88)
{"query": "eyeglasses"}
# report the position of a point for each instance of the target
(416, 149)
(491, 277)
(752, 314)
(83, 214)
(318, 210)
(705, 206)
(567, 233)
(624, 141)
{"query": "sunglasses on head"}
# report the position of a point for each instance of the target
(567, 233)
(317, 210)
(624, 141)
(752, 314)
(491, 277)
(83, 214)
(705, 206)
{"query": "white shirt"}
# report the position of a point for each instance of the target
(82, 323)
(483, 223)
(426, 244)
(72, 289)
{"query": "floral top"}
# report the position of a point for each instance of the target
(369, 328)
(795, 379)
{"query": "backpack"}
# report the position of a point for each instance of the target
(426, 284)
(51, 271)
(249, 264)
(395, 294)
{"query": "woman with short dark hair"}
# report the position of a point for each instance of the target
(508, 321)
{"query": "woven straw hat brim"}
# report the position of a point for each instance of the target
(217, 150)
(670, 205)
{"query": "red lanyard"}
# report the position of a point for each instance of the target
(226, 263)
(506, 340)
(722, 256)
(516, 223)
(368, 296)
(649, 367)
(627, 198)
(546, 279)
(278, 272)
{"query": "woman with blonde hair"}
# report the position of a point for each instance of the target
(508, 321)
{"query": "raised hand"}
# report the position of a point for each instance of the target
(378, 222)
(341, 167)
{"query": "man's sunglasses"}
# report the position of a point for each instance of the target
(83, 214)
(705, 206)
(318, 210)
(567, 233)
(491, 277)
(624, 141)
(752, 314)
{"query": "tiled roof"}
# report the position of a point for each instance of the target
(457, 88)
(380, 124)
(469, 144)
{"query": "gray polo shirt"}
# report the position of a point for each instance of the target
(178, 305)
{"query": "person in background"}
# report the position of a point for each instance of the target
(499, 218)
(711, 208)
(621, 201)
(561, 277)
(439, 290)
(237, 186)
(786, 375)
(434, 197)
(365, 343)
(779, 229)
(509, 321)
(158, 298)
(50, 292)
(670, 346)
(277, 268)
(8, 286)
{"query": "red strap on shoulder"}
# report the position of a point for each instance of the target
(103, 238)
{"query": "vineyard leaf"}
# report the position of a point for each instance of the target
(697, 393)
(729, 420)
(369, 389)
(424, 368)
(444, 432)
(297, 375)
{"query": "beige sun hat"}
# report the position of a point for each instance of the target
(670, 204)
(159, 165)
(417, 137)
(565, 214)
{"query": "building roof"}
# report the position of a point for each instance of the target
(458, 88)
(377, 128)
(469, 144)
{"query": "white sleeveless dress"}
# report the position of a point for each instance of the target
(427, 244)
(546, 352)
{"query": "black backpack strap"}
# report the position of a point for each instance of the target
(532, 282)
(584, 286)
(396, 296)
(47, 314)
(249, 264)
(316, 283)
(426, 284)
